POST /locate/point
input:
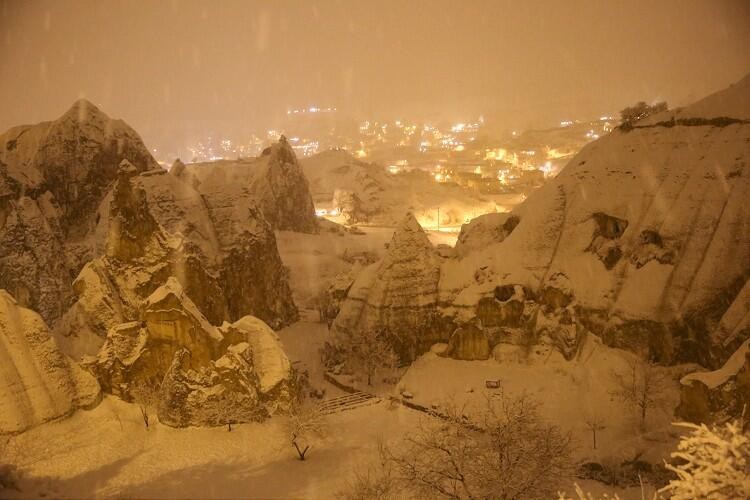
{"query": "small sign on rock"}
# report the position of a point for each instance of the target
(492, 384)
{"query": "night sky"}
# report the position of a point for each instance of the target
(173, 67)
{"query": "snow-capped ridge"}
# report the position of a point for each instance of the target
(730, 104)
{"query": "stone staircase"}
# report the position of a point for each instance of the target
(347, 402)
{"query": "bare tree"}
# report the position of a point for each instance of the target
(146, 395)
(529, 457)
(306, 425)
(373, 483)
(369, 351)
(322, 302)
(507, 453)
(641, 387)
(595, 423)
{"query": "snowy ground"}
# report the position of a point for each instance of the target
(107, 452)
(568, 392)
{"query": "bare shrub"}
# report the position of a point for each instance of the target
(146, 395)
(641, 387)
(367, 352)
(595, 423)
(306, 425)
(508, 452)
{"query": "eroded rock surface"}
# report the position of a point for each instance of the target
(155, 225)
(37, 382)
(718, 394)
(274, 181)
(206, 375)
(53, 175)
(398, 294)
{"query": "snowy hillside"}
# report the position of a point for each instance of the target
(649, 225)
(374, 196)
(643, 239)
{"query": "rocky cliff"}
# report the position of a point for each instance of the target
(644, 236)
(398, 294)
(154, 225)
(274, 181)
(37, 382)
(204, 375)
(53, 175)
(643, 239)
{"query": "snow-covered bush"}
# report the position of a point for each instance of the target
(507, 451)
(366, 352)
(711, 463)
(638, 112)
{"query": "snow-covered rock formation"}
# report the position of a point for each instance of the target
(724, 392)
(37, 382)
(397, 294)
(274, 181)
(645, 233)
(485, 230)
(155, 225)
(206, 375)
(643, 239)
(53, 175)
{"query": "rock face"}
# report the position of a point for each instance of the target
(485, 230)
(468, 343)
(398, 294)
(53, 175)
(708, 396)
(37, 382)
(155, 225)
(207, 375)
(274, 181)
(643, 239)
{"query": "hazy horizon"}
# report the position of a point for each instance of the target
(174, 70)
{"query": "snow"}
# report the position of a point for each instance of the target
(269, 360)
(688, 183)
(731, 368)
(37, 382)
(732, 102)
(567, 391)
(387, 198)
(108, 452)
